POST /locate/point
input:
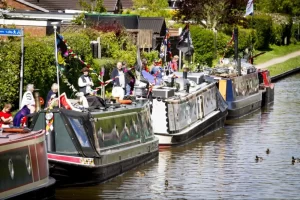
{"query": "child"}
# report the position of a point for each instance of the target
(5, 116)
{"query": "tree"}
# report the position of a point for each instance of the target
(92, 6)
(151, 8)
(208, 13)
(89, 6)
(291, 7)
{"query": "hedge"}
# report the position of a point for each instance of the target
(39, 61)
(263, 26)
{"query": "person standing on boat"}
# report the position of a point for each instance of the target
(119, 79)
(85, 82)
(173, 65)
(52, 94)
(28, 99)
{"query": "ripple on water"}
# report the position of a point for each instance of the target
(222, 164)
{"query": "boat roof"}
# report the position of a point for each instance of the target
(14, 135)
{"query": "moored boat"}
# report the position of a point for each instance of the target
(266, 86)
(24, 170)
(240, 88)
(97, 144)
(191, 110)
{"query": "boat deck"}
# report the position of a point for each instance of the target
(12, 136)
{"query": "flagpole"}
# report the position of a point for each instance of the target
(55, 24)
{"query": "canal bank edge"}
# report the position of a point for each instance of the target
(285, 74)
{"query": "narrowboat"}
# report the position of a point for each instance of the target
(187, 107)
(24, 170)
(266, 86)
(238, 86)
(98, 143)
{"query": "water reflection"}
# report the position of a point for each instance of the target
(222, 164)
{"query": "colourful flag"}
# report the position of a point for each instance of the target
(165, 47)
(249, 8)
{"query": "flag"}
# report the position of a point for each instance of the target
(165, 48)
(249, 8)
(61, 45)
(185, 43)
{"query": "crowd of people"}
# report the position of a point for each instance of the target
(122, 78)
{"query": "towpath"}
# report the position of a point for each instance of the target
(278, 60)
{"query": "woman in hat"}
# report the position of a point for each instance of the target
(52, 94)
(85, 82)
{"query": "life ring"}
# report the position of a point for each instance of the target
(125, 101)
(42, 102)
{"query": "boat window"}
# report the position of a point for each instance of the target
(77, 125)
(63, 141)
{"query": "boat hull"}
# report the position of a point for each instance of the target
(247, 105)
(197, 130)
(267, 96)
(24, 167)
(70, 174)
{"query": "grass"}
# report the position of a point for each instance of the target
(285, 66)
(275, 52)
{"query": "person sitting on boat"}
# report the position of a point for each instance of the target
(52, 94)
(144, 65)
(85, 82)
(28, 99)
(119, 79)
(157, 72)
(5, 116)
(173, 65)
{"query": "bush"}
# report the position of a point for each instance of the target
(203, 41)
(263, 26)
(150, 56)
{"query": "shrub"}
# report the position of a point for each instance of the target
(203, 41)
(263, 26)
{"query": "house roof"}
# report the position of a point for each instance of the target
(55, 5)
(157, 24)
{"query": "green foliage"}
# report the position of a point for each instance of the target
(203, 41)
(247, 38)
(263, 26)
(89, 7)
(150, 56)
(151, 8)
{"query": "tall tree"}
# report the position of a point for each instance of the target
(92, 5)
(209, 13)
(151, 8)
(291, 7)
(89, 6)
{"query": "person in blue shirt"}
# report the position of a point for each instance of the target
(156, 71)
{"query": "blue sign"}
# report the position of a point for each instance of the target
(10, 32)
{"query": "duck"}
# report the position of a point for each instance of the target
(295, 160)
(140, 174)
(166, 182)
(258, 158)
(268, 151)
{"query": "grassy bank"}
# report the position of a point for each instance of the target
(276, 51)
(285, 66)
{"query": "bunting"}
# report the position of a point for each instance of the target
(165, 48)
(64, 50)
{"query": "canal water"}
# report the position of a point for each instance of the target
(222, 164)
